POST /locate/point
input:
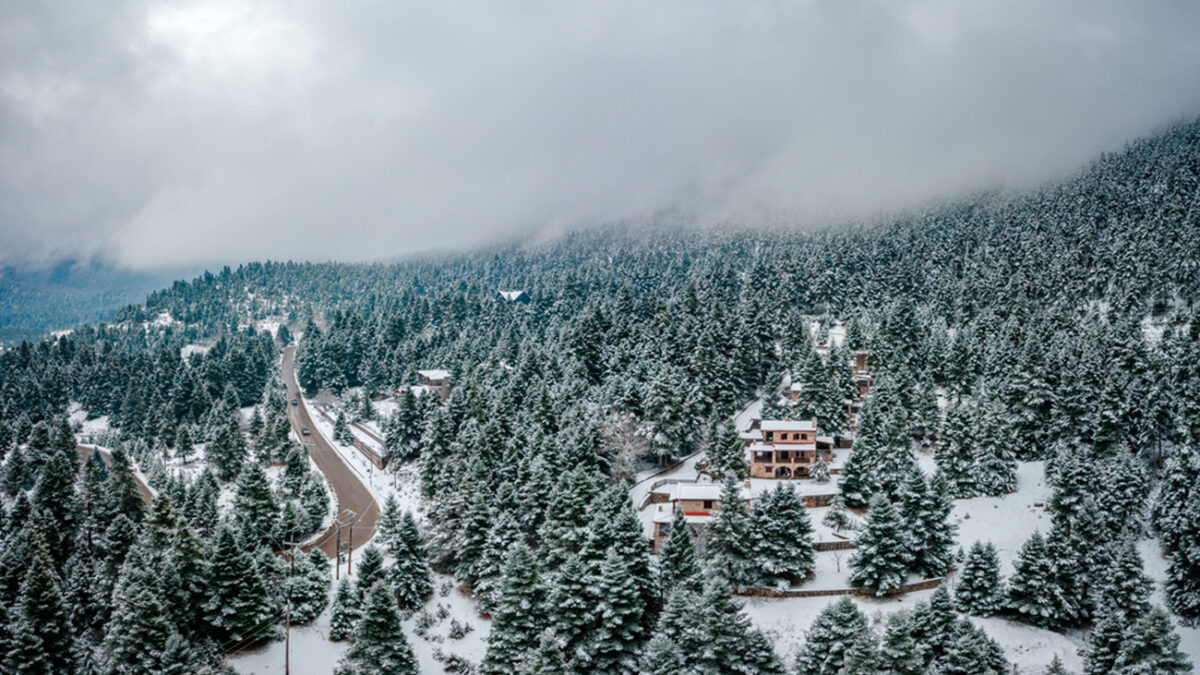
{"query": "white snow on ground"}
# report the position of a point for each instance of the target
(195, 348)
(1005, 521)
(269, 325)
(1155, 566)
(88, 428)
(313, 654)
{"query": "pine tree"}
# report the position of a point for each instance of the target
(178, 657)
(970, 651)
(1033, 594)
(727, 537)
(955, 455)
(726, 453)
(307, 586)
(820, 472)
(881, 559)
(933, 534)
(995, 469)
(518, 619)
(254, 506)
(571, 603)
(1123, 584)
(899, 652)
(341, 431)
(380, 647)
(369, 570)
(837, 516)
(1180, 476)
(616, 645)
(388, 525)
(932, 625)
(40, 630)
(729, 642)
(1182, 588)
(980, 590)
(863, 656)
(565, 527)
(410, 577)
(1056, 667)
(121, 488)
(239, 608)
(547, 658)
(1152, 647)
(830, 638)
(781, 533)
(677, 565)
(346, 612)
(135, 638)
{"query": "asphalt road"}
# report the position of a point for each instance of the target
(85, 451)
(355, 503)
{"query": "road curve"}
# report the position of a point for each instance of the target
(85, 452)
(352, 495)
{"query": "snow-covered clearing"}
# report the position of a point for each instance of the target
(312, 653)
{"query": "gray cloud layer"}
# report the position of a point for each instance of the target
(209, 131)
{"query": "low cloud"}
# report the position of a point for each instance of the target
(201, 132)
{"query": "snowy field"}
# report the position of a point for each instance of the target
(312, 653)
(1007, 522)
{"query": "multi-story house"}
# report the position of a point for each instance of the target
(785, 448)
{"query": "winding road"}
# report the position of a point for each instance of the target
(355, 503)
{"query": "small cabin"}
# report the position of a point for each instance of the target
(697, 501)
(517, 297)
(435, 379)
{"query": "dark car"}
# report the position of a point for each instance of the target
(305, 431)
(295, 401)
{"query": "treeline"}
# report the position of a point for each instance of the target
(1029, 313)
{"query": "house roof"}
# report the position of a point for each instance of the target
(511, 295)
(436, 374)
(698, 491)
(788, 425)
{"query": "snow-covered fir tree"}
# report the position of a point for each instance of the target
(380, 646)
(882, 551)
(781, 536)
(728, 551)
(980, 588)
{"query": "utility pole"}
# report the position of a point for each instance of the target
(350, 554)
(287, 622)
(337, 551)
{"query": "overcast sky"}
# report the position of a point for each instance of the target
(199, 132)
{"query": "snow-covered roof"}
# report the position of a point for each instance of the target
(699, 491)
(511, 295)
(749, 435)
(788, 425)
(436, 374)
(761, 446)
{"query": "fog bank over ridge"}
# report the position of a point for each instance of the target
(206, 131)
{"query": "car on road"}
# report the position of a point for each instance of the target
(295, 401)
(305, 431)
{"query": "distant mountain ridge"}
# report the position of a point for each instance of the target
(37, 300)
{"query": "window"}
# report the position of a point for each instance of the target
(708, 504)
